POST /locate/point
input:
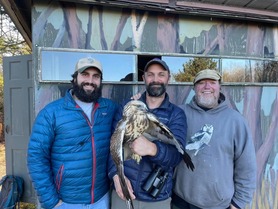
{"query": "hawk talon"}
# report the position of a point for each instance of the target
(136, 157)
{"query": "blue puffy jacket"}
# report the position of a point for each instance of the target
(67, 155)
(167, 156)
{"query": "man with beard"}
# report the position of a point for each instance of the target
(157, 156)
(69, 144)
(221, 148)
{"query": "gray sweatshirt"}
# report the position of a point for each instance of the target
(220, 145)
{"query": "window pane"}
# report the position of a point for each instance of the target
(266, 71)
(233, 70)
(175, 64)
(183, 68)
(60, 65)
(247, 70)
(57, 65)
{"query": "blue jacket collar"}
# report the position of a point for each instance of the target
(165, 104)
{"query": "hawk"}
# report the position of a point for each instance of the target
(136, 120)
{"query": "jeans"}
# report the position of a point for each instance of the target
(103, 203)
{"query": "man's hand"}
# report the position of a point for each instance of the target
(119, 188)
(142, 146)
(136, 96)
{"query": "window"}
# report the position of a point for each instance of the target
(249, 70)
(58, 66)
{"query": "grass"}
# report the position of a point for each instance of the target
(3, 173)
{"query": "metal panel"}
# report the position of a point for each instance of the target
(213, 1)
(259, 4)
(239, 3)
(273, 7)
(18, 111)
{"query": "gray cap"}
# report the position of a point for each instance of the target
(157, 61)
(207, 74)
(87, 62)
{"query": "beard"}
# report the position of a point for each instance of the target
(87, 96)
(207, 101)
(156, 89)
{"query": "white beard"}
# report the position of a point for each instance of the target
(207, 101)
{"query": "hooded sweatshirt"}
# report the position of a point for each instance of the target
(220, 145)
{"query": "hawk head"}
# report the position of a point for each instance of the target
(134, 106)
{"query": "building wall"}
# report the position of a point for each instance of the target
(74, 26)
(100, 28)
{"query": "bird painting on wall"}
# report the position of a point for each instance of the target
(137, 121)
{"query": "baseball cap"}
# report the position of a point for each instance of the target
(207, 74)
(157, 61)
(87, 62)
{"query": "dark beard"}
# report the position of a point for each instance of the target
(84, 96)
(156, 91)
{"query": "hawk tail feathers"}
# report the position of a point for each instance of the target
(188, 161)
(129, 204)
(126, 194)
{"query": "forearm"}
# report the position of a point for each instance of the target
(167, 155)
(43, 182)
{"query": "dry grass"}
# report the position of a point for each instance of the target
(2, 160)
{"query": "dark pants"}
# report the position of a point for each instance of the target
(178, 203)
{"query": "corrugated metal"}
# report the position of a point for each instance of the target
(222, 10)
(265, 4)
(268, 5)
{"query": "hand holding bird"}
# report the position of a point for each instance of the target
(143, 147)
(119, 190)
(137, 121)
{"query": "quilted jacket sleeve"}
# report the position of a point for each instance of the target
(111, 166)
(38, 159)
(167, 155)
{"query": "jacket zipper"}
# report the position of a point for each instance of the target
(59, 178)
(94, 154)
(91, 124)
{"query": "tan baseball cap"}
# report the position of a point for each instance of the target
(87, 62)
(207, 74)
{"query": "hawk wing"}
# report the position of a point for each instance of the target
(116, 143)
(158, 131)
(116, 149)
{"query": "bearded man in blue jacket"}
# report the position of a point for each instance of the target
(69, 144)
(156, 155)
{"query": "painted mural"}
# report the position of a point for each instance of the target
(74, 26)
(90, 27)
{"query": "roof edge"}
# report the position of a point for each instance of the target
(19, 21)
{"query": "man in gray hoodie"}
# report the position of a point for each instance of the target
(220, 145)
